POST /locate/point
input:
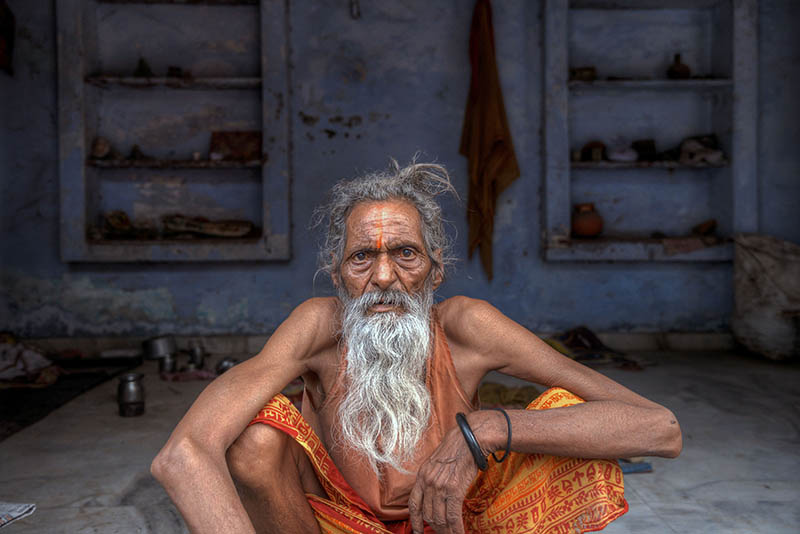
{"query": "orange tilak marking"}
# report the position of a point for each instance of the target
(379, 239)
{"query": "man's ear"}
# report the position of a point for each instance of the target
(438, 274)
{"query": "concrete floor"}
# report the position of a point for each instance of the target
(87, 468)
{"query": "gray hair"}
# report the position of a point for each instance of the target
(417, 183)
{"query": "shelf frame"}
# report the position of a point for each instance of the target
(173, 164)
(105, 81)
(274, 244)
(638, 249)
(185, 2)
(558, 244)
(666, 165)
(710, 84)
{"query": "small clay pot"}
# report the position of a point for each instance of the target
(585, 221)
(678, 71)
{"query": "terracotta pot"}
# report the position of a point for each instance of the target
(585, 221)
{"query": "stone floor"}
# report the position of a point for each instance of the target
(87, 468)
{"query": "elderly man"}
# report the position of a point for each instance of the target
(391, 438)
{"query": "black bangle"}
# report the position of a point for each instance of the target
(472, 442)
(508, 444)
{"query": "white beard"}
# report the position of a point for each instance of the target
(386, 405)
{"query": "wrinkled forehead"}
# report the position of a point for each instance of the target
(378, 224)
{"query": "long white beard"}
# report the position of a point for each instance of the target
(386, 405)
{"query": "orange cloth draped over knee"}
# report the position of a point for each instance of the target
(527, 493)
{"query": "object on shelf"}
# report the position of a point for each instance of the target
(705, 228)
(239, 146)
(137, 154)
(575, 154)
(196, 156)
(593, 151)
(645, 148)
(143, 70)
(7, 30)
(622, 152)
(678, 70)
(102, 149)
(183, 225)
(117, 225)
(701, 150)
(586, 222)
(583, 74)
(355, 9)
(682, 245)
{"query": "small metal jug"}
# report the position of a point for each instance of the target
(130, 395)
(168, 363)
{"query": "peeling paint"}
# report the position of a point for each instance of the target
(79, 305)
(215, 308)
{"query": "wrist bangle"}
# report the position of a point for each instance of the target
(508, 443)
(472, 442)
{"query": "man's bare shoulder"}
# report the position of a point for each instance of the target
(310, 328)
(466, 319)
(323, 309)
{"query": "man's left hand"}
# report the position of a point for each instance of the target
(442, 482)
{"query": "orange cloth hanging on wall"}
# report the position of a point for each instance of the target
(485, 139)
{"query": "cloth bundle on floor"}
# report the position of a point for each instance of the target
(526, 493)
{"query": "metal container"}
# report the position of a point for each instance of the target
(196, 355)
(130, 395)
(168, 363)
(225, 364)
(158, 347)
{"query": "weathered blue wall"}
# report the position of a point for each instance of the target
(403, 68)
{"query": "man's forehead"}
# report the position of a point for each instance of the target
(391, 219)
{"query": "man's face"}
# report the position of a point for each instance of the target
(384, 250)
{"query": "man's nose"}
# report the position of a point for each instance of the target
(384, 275)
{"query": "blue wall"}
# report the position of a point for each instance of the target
(403, 68)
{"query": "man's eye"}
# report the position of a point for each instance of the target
(360, 256)
(407, 253)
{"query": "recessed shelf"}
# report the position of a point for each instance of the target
(688, 85)
(670, 249)
(668, 165)
(172, 164)
(135, 82)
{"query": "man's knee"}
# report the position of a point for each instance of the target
(257, 454)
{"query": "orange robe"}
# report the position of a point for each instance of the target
(527, 493)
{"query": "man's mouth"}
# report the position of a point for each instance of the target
(382, 307)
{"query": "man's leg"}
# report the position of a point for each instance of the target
(272, 474)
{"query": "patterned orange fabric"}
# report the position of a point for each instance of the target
(527, 493)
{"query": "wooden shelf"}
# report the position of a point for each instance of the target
(707, 84)
(172, 164)
(617, 165)
(620, 248)
(135, 82)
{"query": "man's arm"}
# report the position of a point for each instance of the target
(192, 466)
(614, 422)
